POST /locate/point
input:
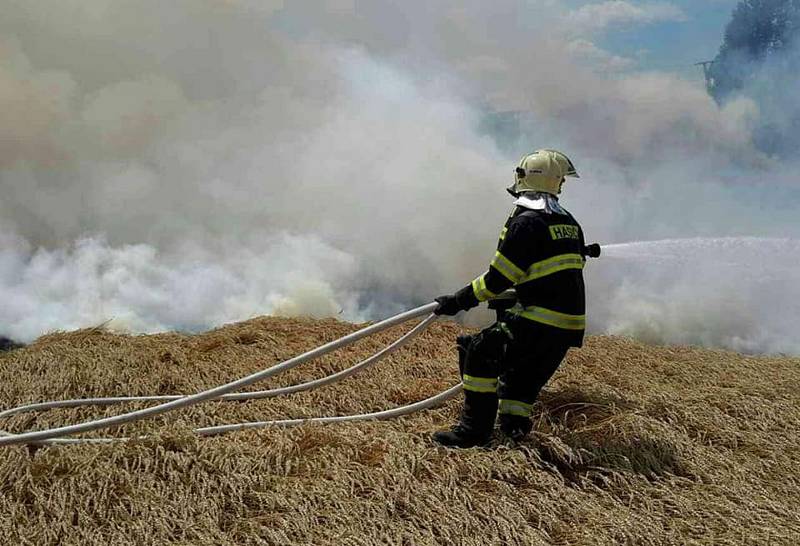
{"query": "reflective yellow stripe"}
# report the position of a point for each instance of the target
(480, 290)
(515, 407)
(507, 268)
(553, 265)
(551, 318)
(503, 233)
(479, 384)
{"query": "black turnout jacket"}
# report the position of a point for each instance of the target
(541, 255)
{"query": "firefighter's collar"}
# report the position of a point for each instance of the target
(540, 201)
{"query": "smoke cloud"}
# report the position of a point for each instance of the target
(186, 164)
(759, 58)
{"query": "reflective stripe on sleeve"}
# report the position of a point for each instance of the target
(551, 318)
(479, 384)
(553, 265)
(507, 268)
(515, 407)
(480, 290)
(503, 233)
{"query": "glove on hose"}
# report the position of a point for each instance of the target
(448, 305)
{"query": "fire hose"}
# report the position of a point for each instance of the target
(227, 392)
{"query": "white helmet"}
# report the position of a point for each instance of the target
(543, 170)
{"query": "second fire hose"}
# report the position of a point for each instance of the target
(55, 435)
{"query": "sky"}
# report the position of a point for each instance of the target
(181, 165)
(676, 43)
(657, 35)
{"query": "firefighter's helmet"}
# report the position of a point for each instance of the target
(543, 170)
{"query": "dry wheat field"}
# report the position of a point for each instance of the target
(633, 444)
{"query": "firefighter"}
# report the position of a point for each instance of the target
(541, 254)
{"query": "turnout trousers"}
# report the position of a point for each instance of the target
(503, 369)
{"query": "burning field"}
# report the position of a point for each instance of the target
(632, 444)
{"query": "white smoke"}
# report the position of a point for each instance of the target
(184, 164)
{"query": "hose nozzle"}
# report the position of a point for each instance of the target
(592, 250)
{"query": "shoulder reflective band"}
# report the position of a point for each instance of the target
(515, 407)
(507, 268)
(479, 384)
(503, 233)
(480, 290)
(552, 318)
(553, 265)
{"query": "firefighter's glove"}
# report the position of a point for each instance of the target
(448, 305)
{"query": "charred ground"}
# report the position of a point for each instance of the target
(632, 444)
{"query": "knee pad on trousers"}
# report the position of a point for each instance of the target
(486, 351)
(463, 343)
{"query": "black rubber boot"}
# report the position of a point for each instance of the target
(515, 427)
(460, 437)
(476, 423)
